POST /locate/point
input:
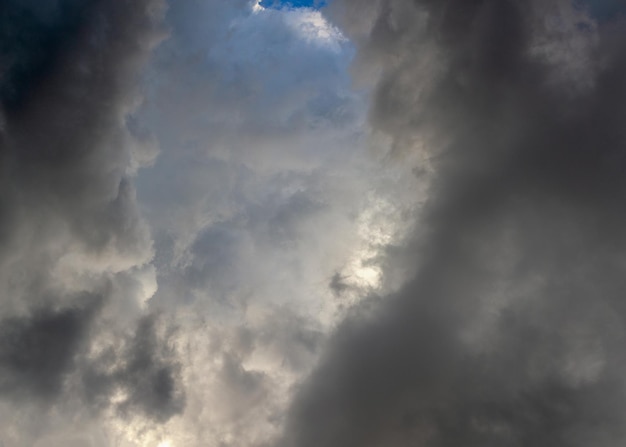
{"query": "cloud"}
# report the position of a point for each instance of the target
(74, 268)
(510, 332)
(169, 235)
(37, 351)
(142, 376)
(262, 191)
(269, 229)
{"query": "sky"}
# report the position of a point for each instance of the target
(316, 4)
(240, 223)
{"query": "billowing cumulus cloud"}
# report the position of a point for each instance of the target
(263, 191)
(511, 331)
(190, 208)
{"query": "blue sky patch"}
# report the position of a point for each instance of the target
(293, 3)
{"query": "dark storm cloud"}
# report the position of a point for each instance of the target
(512, 331)
(337, 284)
(33, 35)
(63, 143)
(145, 371)
(36, 352)
(69, 218)
(151, 375)
(69, 83)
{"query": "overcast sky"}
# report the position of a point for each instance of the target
(341, 223)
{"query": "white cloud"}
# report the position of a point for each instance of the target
(265, 189)
(205, 236)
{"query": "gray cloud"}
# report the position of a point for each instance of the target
(511, 332)
(37, 351)
(75, 262)
(144, 372)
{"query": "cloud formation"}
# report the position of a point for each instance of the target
(263, 191)
(511, 331)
